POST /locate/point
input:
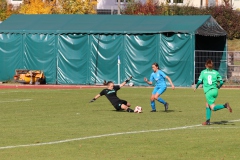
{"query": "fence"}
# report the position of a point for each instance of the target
(233, 73)
(226, 62)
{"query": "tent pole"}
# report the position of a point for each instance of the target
(194, 67)
(97, 60)
(118, 69)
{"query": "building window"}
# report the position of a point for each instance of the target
(174, 1)
(177, 1)
(123, 1)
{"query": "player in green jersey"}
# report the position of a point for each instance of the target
(212, 81)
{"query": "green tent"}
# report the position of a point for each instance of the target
(84, 49)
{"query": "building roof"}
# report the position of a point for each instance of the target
(110, 24)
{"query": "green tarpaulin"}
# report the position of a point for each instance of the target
(84, 49)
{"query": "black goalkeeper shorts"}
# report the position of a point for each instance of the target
(118, 104)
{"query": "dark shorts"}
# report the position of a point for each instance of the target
(118, 104)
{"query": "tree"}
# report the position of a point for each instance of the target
(3, 9)
(7, 10)
(226, 17)
(139, 8)
(76, 6)
(36, 7)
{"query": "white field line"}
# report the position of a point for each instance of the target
(208, 127)
(105, 135)
(16, 100)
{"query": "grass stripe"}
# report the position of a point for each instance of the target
(112, 134)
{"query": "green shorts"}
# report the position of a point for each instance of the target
(211, 96)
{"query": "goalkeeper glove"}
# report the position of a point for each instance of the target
(92, 100)
(128, 79)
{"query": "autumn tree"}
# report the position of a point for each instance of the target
(140, 8)
(36, 7)
(3, 9)
(7, 10)
(76, 6)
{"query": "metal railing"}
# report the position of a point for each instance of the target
(226, 62)
(233, 72)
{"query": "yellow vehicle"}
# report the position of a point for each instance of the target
(30, 77)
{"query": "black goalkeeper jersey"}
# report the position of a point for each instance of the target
(111, 94)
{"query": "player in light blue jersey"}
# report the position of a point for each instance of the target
(160, 86)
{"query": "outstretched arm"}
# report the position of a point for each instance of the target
(170, 81)
(122, 84)
(125, 82)
(96, 97)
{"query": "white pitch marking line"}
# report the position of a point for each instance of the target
(16, 100)
(216, 128)
(105, 135)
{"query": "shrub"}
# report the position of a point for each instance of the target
(226, 17)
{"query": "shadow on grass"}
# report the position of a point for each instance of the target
(122, 111)
(168, 111)
(104, 110)
(223, 123)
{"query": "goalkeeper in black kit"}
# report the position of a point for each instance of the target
(111, 93)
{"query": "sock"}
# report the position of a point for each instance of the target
(161, 100)
(218, 107)
(130, 110)
(208, 114)
(153, 105)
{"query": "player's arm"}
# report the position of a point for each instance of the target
(95, 98)
(126, 81)
(146, 80)
(220, 81)
(170, 81)
(198, 83)
(220, 84)
(122, 84)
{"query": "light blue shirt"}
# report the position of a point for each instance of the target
(159, 78)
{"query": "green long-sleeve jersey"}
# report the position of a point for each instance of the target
(210, 79)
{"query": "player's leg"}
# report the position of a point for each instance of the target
(160, 91)
(214, 94)
(208, 114)
(152, 100)
(128, 104)
(125, 106)
(221, 106)
(211, 97)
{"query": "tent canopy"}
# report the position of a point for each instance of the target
(84, 49)
(111, 24)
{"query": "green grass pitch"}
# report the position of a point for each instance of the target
(52, 124)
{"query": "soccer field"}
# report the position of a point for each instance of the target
(60, 124)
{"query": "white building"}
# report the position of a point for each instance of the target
(113, 4)
(15, 2)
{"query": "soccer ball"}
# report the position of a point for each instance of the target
(131, 84)
(138, 109)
